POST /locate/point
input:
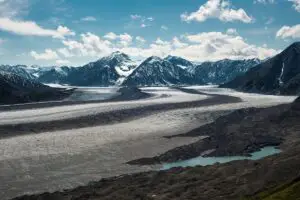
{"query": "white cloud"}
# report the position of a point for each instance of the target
(264, 1)
(62, 62)
(140, 39)
(142, 21)
(141, 18)
(31, 28)
(47, 55)
(123, 39)
(1, 41)
(232, 31)
(89, 19)
(89, 45)
(217, 45)
(65, 52)
(206, 46)
(111, 36)
(63, 31)
(177, 43)
(159, 41)
(289, 32)
(220, 9)
(296, 4)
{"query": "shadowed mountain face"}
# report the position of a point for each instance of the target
(107, 71)
(16, 89)
(178, 71)
(157, 71)
(222, 71)
(55, 74)
(278, 75)
(21, 70)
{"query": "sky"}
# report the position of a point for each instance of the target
(75, 32)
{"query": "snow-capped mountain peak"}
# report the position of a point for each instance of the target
(180, 62)
(277, 75)
(153, 59)
(118, 68)
(17, 81)
(116, 57)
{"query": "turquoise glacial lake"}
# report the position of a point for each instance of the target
(204, 161)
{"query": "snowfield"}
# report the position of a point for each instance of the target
(57, 160)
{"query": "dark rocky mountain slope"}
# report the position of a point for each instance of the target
(156, 71)
(20, 70)
(173, 70)
(222, 71)
(278, 75)
(16, 89)
(55, 74)
(107, 71)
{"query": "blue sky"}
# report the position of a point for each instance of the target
(74, 32)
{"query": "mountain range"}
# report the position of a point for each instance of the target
(119, 69)
(277, 75)
(16, 89)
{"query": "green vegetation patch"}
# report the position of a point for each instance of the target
(289, 191)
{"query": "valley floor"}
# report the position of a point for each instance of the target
(55, 148)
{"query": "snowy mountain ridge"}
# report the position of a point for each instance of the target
(278, 75)
(119, 69)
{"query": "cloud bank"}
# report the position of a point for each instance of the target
(218, 9)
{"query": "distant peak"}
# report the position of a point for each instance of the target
(178, 60)
(116, 52)
(154, 59)
(170, 57)
(117, 55)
